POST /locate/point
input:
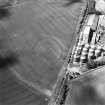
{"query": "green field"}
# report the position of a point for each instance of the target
(39, 34)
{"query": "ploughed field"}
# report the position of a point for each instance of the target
(35, 38)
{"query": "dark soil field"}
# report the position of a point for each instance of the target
(35, 38)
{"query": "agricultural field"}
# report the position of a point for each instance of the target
(35, 38)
